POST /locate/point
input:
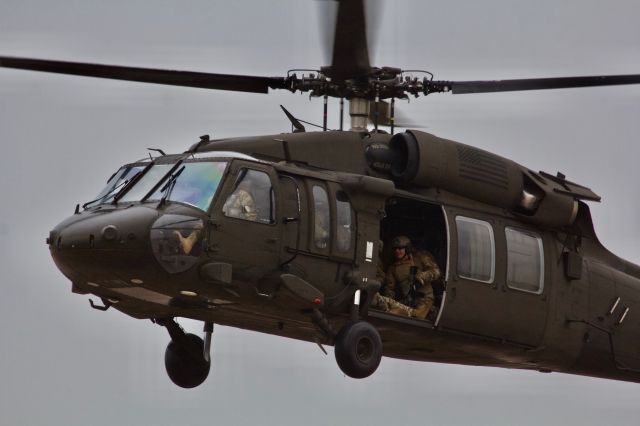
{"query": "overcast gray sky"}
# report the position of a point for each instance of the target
(63, 363)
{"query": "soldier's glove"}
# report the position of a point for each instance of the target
(421, 277)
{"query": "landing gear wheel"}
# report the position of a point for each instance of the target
(185, 362)
(358, 349)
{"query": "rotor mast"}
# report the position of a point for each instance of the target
(359, 114)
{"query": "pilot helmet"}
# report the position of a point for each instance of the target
(401, 241)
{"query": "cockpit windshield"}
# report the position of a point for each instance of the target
(146, 182)
(115, 184)
(192, 182)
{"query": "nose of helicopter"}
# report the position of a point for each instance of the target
(103, 244)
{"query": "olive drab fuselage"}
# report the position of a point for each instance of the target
(525, 284)
(289, 234)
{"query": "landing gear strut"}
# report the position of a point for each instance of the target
(187, 357)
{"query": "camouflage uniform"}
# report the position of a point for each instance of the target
(384, 303)
(388, 304)
(398, 284)
(241, 205)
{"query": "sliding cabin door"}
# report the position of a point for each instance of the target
(497, 278)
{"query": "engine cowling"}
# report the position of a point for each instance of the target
(426, 160)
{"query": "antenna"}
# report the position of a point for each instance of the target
(295, 123)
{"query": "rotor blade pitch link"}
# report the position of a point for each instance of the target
(392, 113)
(325, 112)
(376, 114)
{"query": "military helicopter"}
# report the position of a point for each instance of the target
(527, 285)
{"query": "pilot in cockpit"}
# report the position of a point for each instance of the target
(241, 203)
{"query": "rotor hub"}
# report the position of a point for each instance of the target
(378, 84)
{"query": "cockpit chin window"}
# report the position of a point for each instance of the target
(176, 241)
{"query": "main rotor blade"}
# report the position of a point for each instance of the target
(350, 48)
(238, 83)
(461, 87)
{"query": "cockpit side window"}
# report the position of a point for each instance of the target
(252, 199)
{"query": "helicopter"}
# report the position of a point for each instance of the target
(270, 274)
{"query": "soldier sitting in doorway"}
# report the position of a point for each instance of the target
(384, 303)
(408, 279)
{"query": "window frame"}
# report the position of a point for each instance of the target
(540, 242)
(492, 240)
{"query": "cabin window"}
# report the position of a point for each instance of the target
(476, 249)
(321, 217)
(525, 261)
(344, 222)
(252, 198)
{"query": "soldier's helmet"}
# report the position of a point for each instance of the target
(401, 241)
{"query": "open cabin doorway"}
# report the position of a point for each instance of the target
(425, 225)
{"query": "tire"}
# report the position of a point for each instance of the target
(358, 349)
(185, 362)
